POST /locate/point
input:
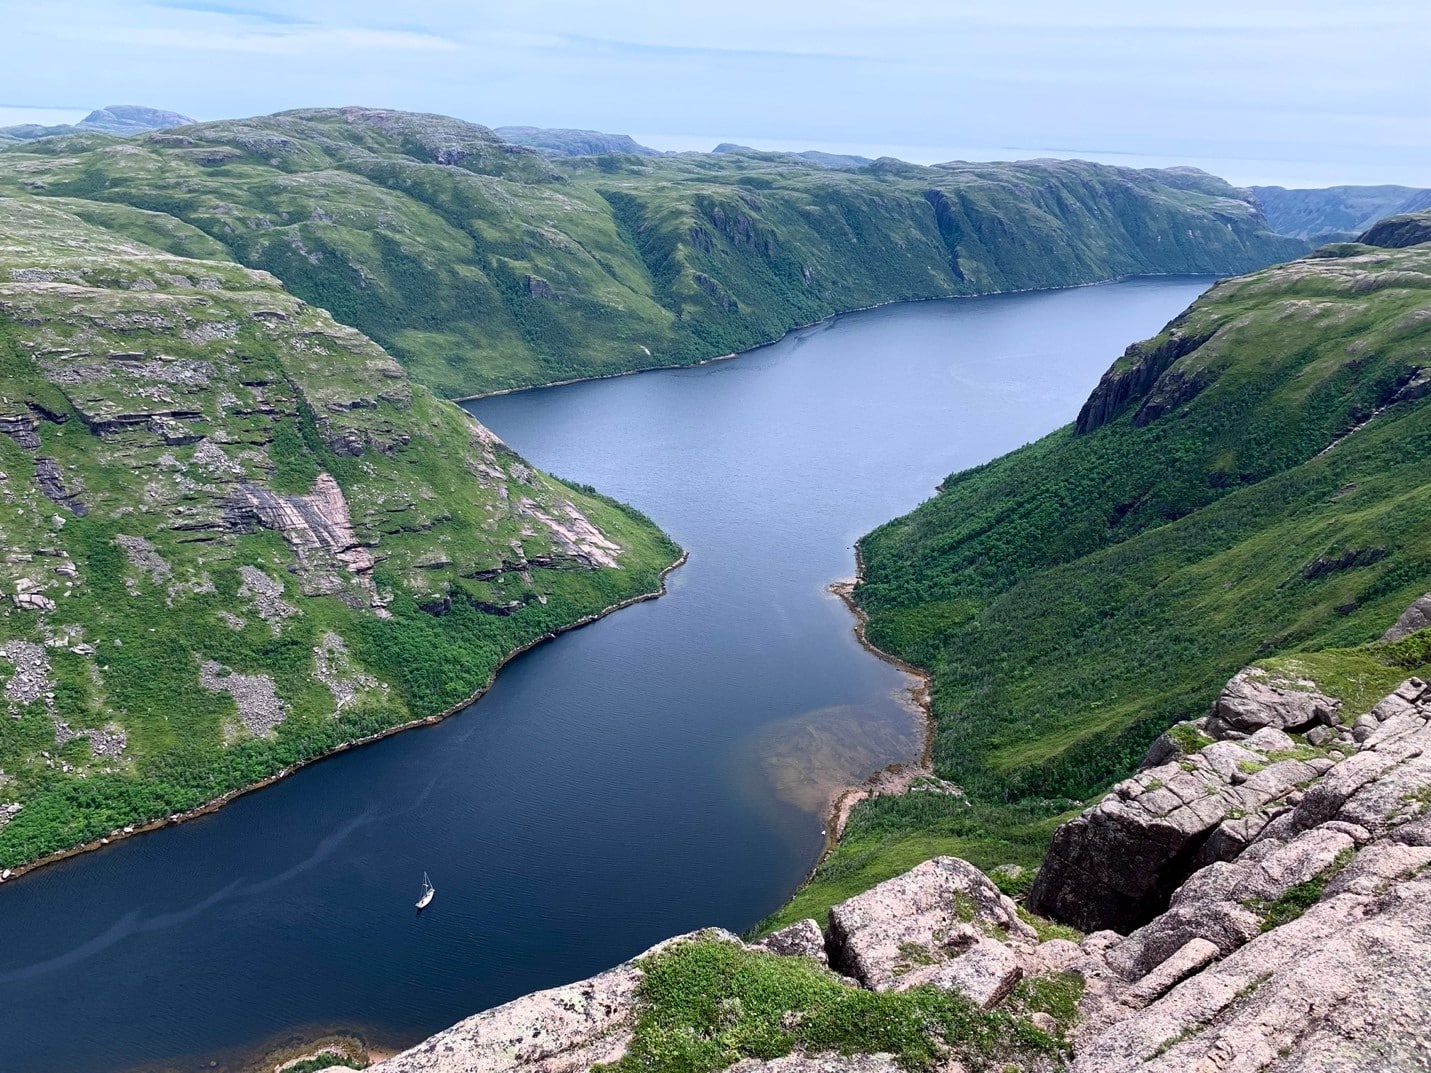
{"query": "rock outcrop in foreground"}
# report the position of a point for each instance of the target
(1271, 865)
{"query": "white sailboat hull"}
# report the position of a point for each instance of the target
(426, 899)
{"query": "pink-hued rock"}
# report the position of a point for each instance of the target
(929, 915)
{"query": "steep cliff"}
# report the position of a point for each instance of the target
(480, 264)
(237, 536)
(1398, 232)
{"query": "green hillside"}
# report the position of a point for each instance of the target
(482, 265)
(236, 535)
(1336, 212)
(1253, 482)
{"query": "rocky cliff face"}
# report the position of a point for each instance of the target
(1399, 232)
(1268, 874)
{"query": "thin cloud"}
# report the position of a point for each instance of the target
(302, 40)
(229, 10)
(640, 48)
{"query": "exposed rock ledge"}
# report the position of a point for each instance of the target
(1284, 903)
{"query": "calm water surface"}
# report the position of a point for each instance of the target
(661, 770)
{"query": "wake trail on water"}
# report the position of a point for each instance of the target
(133, 923)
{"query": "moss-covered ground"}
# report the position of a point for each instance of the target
(706, 1004)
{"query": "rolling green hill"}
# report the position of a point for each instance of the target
(1253, 482)
(482, 265)
(236, 535)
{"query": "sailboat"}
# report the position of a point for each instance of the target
(428, 890)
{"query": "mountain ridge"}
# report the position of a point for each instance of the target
(1338, 212)
(487, 266)
(119, 119)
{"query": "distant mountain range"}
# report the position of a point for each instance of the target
(113, 119)
(484, 265)
(1337, 212)
(837, 161)
(560, 141)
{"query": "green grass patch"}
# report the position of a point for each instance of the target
(887, 836)
(706, 1004)
(1298, 899)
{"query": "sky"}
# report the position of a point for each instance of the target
(1289, 92)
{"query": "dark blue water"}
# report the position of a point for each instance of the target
(663, 769)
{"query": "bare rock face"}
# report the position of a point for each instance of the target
(1416, 617)
(1304, 947)
(51, 482)
(314, 523)
(1346, 987)
(1251, 701)
(913, 928)
(982, 969)
(1118, 864)
(801, 939)
(1222, 904)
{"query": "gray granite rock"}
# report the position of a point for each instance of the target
(1346, 988)
(1253, 699)
(1416, 617)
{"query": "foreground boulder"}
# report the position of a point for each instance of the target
(939, 923)
(1118, 864)
(1416, 617)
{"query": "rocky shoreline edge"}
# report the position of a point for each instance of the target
(11, 874)
(895, 778)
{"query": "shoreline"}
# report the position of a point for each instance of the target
(895, 778)
(815, 323)
(217, 803)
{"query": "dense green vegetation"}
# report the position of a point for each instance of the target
(1253, 483)
(706, 1003)
(180, 642)
(482, 265)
